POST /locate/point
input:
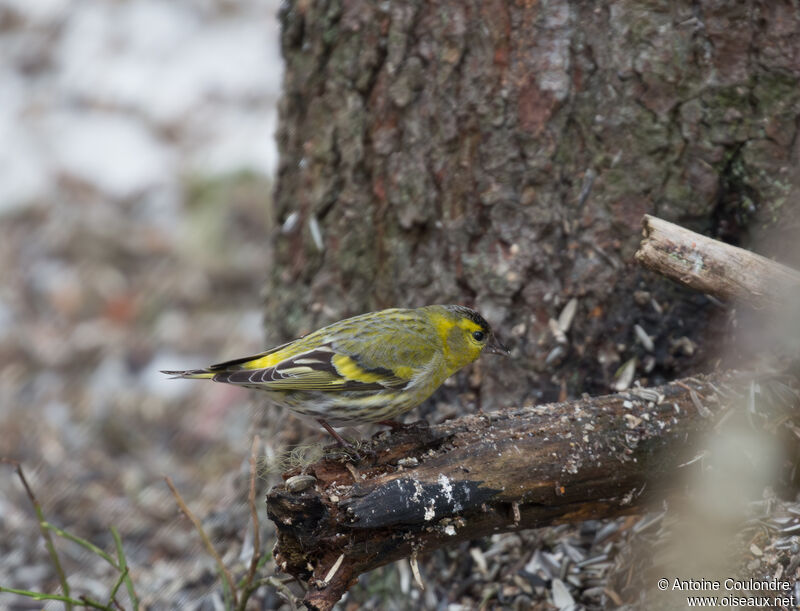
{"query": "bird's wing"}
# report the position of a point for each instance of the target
(406, 350)
(322, 368)
(344, 361)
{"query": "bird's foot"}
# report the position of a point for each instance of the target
(357, 452)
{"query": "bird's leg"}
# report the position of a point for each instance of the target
(340, 440)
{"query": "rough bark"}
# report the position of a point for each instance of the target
(713, 267)
(501, 154)
(519, 468)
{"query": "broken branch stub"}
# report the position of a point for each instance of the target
(716, 268)
(425, 487)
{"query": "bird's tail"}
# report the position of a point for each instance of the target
(191, 374)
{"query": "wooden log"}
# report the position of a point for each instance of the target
(425, 487)
(716, 268)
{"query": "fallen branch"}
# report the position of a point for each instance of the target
(426, 487)
(716, 268)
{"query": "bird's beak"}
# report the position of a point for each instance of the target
(493, 346)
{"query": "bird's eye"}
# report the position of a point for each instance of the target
(479, 335)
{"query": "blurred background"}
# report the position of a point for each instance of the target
(136, 173)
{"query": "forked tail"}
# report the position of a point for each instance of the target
(191, 374)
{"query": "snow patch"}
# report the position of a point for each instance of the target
(115, 154)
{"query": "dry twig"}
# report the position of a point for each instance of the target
(206, 541)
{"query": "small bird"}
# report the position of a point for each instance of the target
(369, 368)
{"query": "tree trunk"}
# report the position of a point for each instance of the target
(501, 154)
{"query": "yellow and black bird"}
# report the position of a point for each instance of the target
(369, 368)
